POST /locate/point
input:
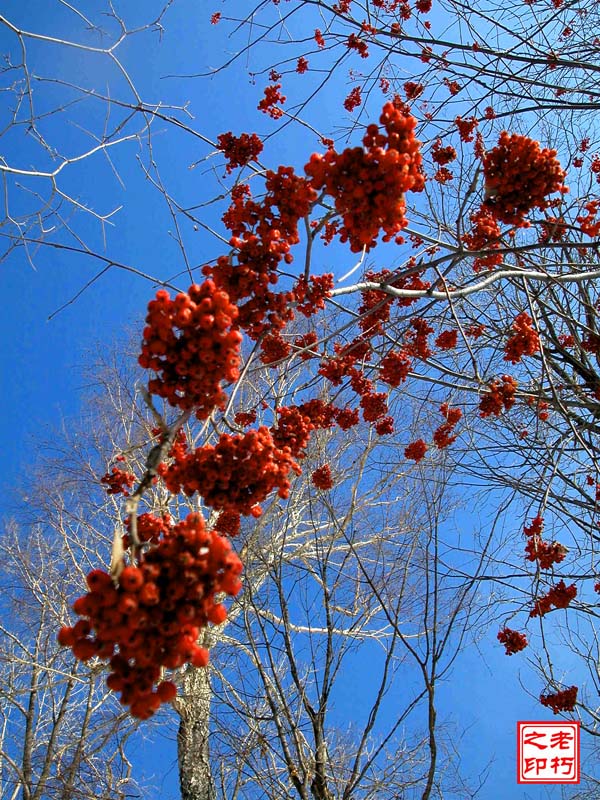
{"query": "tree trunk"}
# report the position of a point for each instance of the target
(192, 738)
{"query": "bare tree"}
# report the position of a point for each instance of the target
(62, 733)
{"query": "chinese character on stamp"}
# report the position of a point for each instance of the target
(548, 752)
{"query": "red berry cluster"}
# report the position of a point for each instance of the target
(395, 367)
(374, 309)
(192, 345)
(353, 100)
(442, 155)
(447, 340)
(293, 430)
(499, 397)
(589, 224)
(149, 529)
(118, 481)
(443, 175)
(513, 641)
(485, 235)
(416, 450)
(417, 344)
(239, 150)
(311, 294)
(354, 42)
(374, 406)
(560, 701)
(552, 229)
(236, 474)
(376, 303)
(519, 176)
(245, 418)
(152, 618)
(368, 184)
(347, 418)
(321, 477)
(537, 550)
(444, 435)
(228, 523)
(413, 90)
(274, 349)
(558, 596)
(306, 343)
(295, 424)
(466, 127)
(262, 235)
(269, 103)
(525, 341)
(453, 87)
(321, 414)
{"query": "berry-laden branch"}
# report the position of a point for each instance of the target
(147, 616)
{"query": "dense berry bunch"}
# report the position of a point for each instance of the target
(590, 225)
(245, 418)
(192, 345)
(375, 304)
(395, 367)
(374, 406)
(442, 155)
(321, 477)
(262, 236)
(368, 184)
(152, 618)
(546, 554)
(239, 150)
(499, 397)
(347, 418)
(447, 340)
(525, 341)
(354, 42)
(306, 343)
(301, 65)
(321, 414)
(353, 100)
(310, 295)
(416, 450)
(519, 176)
(552, 229)
(559, 596)
(118, 481)
(443, 175)
(513, 641)
(417, 343)
(535, 529)
(444, 435)
(271, 102)
(236, 474)
(274, 349)
(228, 522)
(336, 369)
(413, 90)
(560, 701)
(293, 430)
(149, 529)
(466, 128)
(484, 235)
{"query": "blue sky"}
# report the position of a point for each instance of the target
(45, 349)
